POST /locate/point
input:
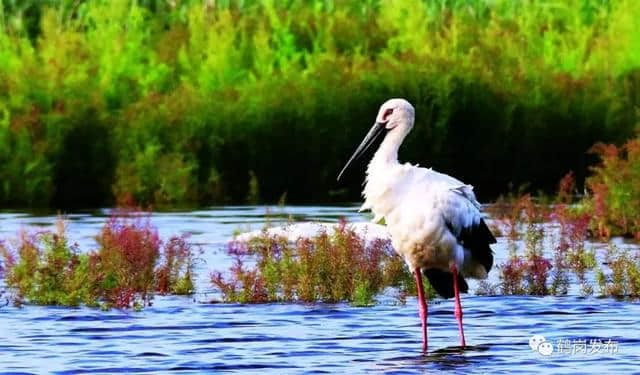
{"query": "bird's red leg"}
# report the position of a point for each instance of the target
(422, 308)
(457, 310)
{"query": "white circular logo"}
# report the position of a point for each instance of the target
(539, 344)
(545, 348)
(535, 341)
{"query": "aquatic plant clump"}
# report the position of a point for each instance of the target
(329, 267)
(621, 275)
(615, 190)
(562, 226)
(122, 270)
(528, 274)
(46, 270)
(130, 265)
(565, 227)
(175, 270)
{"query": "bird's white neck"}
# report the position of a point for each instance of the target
(388, 151)
(381, 175)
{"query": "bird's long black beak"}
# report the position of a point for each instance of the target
(377, 129)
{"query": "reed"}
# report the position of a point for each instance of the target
(175, 102)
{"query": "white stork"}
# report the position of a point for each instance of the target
(434, 219)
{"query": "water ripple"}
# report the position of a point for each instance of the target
(179, 334)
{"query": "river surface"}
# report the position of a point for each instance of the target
(190, 335)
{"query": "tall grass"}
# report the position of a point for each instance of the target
(176, 101)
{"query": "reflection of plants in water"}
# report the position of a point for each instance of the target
(328, 267)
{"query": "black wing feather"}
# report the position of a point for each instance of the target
(477, 239)
(442, 282)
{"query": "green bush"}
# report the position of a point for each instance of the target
(175, 102)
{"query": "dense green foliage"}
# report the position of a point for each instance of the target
(214, 101)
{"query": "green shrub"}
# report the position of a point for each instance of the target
(175, 102)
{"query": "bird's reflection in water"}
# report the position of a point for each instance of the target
(448, 358)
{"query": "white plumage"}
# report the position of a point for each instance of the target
(416, 204)
(434, 219)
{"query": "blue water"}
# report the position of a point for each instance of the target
(188, 334)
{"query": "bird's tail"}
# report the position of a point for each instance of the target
(478, 258)
(442, 282)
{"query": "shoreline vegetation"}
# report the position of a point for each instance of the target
(129, 266)
(552, 251)
(197, 102)
(552, 245)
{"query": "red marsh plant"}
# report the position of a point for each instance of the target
(175, 270)
(623, 274)
(615, 190)
(129, 266)
(122, 270)
(512, 274)
(244, 285)
(519, 274)
(7, 257)
(571, 253)
(528, 274)
(566, 189)
(513, 212)
(536, 266)
(560, 276)
(132, 263)
(328, 267)
(44, 269)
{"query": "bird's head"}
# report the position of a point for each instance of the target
(396, 114)
(395, 120)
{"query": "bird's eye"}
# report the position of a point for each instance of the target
(386, 114)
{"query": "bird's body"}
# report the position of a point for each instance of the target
(426, 213)
(434, 219)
